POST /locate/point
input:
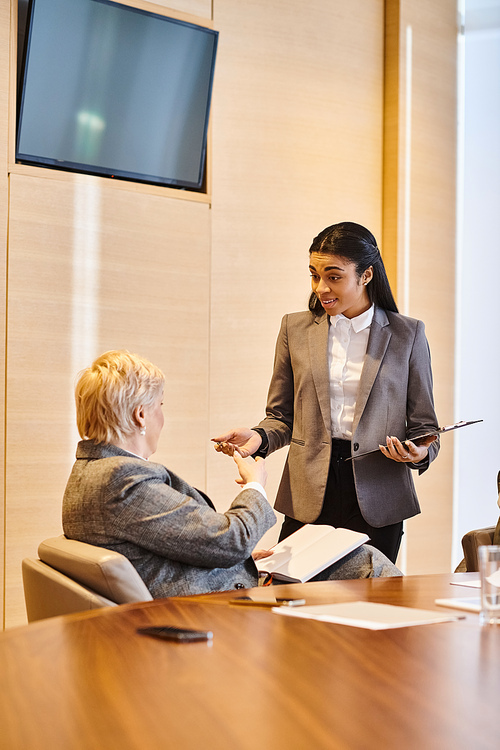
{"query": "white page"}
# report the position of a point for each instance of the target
(293, 544)
(371, 615)
(475, 583)
(470, 604)
(303, 557)
(494, 578)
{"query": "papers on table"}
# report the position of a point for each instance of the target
(494, 578)
(468, 603)
(475, 583)
(369, 615)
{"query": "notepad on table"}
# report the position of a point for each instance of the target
(371, 615)
(467, 603)
(473, 583)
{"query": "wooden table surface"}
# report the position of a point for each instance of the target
(89, 681)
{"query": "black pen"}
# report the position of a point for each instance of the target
(279, 602)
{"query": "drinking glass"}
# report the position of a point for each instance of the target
(489, 568)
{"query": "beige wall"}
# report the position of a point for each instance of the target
(419, 211)
(4, 193)
(74, 293)
(94, 264)
(199, 286)
(297, 143)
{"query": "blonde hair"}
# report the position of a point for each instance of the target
(108, 392)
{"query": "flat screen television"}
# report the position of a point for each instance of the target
(112, 90)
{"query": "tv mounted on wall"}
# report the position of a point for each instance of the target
(111, 90)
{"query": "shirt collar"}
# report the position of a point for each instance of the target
(359, 323)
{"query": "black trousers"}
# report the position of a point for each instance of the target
(341, 507)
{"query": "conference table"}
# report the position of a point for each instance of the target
(90, 681)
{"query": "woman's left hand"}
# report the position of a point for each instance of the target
(407, 452)
(260, 554)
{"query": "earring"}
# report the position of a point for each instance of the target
(143, 431)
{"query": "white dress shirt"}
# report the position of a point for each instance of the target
(347, 343)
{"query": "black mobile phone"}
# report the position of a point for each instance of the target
(182, 635)
(279, 602)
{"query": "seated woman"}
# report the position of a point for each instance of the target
(117, 499)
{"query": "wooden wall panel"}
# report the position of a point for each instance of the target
(297, 131)
(297, 145)
(202, 8)
(419, 229)
(432, 261)
(92, 269)
(187, 10)
(4, 193)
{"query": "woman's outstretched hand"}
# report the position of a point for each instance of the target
(250, 470)
(407, 452)
(242, 440)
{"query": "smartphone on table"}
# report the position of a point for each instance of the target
(171, 633)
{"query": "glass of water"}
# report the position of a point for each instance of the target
(489, 568)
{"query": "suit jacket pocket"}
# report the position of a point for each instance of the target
(297, 441)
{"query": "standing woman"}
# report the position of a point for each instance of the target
(350, 375)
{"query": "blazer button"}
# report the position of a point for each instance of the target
(356, 446)
(239, 585)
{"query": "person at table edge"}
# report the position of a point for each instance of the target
(351, 375)
(171, 532)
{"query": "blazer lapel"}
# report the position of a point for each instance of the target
(318, 352)
(378, 342)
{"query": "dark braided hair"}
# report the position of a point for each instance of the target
(357, 245)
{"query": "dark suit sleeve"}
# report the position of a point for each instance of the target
(420, 413)
(278, 423)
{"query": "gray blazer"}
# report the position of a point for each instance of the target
(170, 531)
(395, 398)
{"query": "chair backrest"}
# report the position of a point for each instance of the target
(73, 576)
(470, 544)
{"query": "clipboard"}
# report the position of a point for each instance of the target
(437, 431)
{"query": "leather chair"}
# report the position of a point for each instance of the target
(477, 538)
(470, 544)
(72, 576)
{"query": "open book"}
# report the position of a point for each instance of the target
(308, 551)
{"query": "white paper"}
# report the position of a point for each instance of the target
(469, 604)
(475, 583)
(371, 615)
(494, 578)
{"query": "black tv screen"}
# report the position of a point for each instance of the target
(112, 90)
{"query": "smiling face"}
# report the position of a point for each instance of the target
(337, 285)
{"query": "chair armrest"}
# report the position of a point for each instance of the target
(470, 543)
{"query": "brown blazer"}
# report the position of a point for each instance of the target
(395, 398)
